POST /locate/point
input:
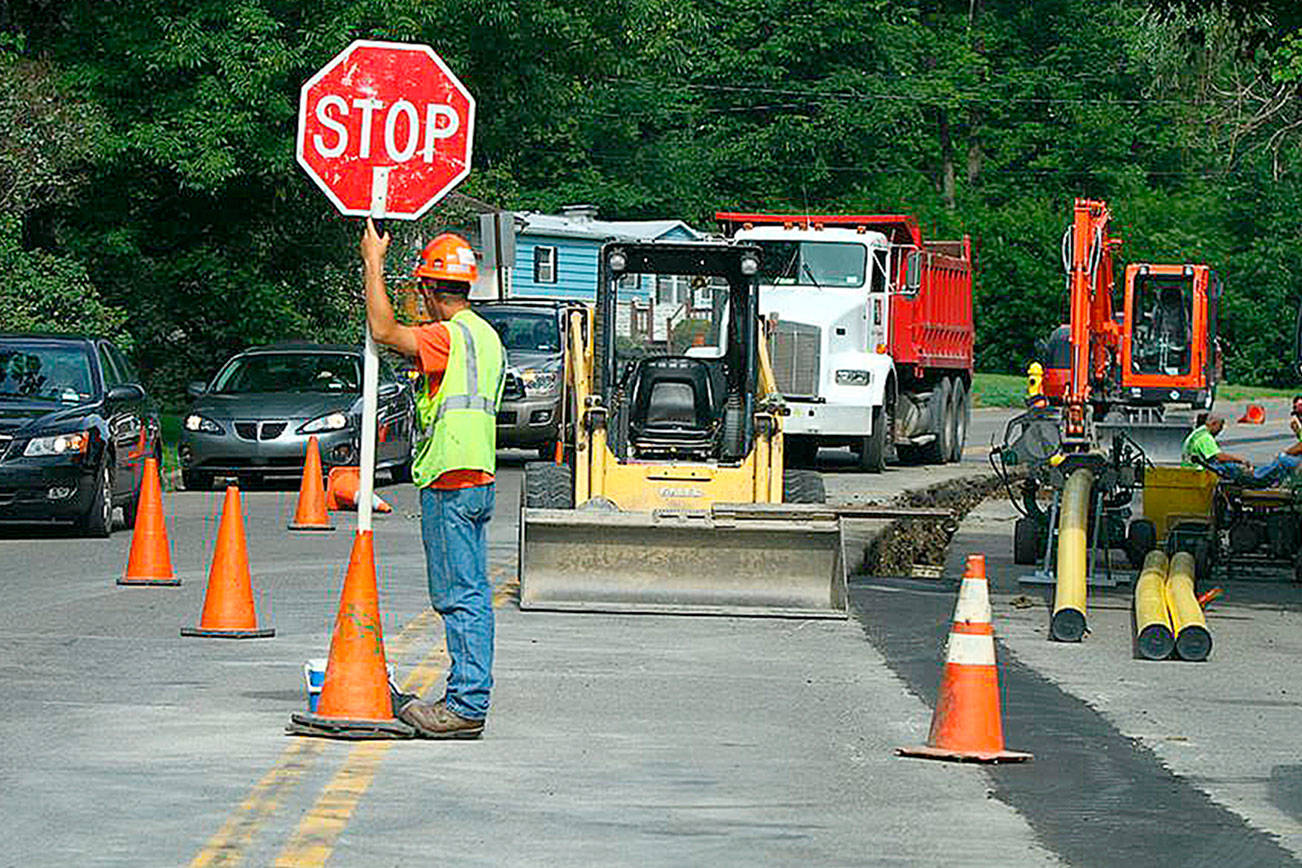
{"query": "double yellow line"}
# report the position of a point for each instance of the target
(314, 839)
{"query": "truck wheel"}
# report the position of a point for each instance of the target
(1026, 543)
(962, 415)
(803, 486)
(938, 450)
(548, 485)
(872, 451)
(1140, 540)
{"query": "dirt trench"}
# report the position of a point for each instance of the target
(904, 543)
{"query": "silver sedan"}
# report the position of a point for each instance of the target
(254, 419)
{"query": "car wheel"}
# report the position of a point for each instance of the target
(98, 520)
(195, 480)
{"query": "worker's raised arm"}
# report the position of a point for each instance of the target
(385, 329)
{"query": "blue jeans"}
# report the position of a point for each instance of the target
(453, 525)
(1279, 469)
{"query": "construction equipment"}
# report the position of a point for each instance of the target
(674, 497)
(871, 333)
(1123, 369)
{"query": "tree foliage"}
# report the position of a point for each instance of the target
(180, 201)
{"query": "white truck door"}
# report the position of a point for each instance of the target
(878, 302)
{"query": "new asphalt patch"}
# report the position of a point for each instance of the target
(1092, 795)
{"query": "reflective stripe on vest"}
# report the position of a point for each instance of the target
(471, 400)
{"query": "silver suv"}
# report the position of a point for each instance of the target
(532, 334)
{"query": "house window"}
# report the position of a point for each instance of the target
(544, 265)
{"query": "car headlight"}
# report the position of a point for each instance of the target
(329, 422)
(538, 382)
(60, 444)
(853, 378)
(195, 422)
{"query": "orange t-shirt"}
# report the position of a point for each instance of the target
(433, 346)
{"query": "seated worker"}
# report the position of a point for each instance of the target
(1287, 461)
(1201, 449)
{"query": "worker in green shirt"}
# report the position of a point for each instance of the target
(1201, 448)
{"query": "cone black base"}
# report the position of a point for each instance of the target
(320, 527)
(958, 756)
(166, 583)
(228, 634)
(351, 730)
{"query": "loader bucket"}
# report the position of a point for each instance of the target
(1161, 441)
(759, 560)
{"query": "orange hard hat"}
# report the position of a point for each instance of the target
(448, 257)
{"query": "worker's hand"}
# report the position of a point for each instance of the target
(374, 246)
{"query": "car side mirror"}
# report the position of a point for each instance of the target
(197, 388)
(126, 392)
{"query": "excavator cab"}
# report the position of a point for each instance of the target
(1168, 338)
(673, 497)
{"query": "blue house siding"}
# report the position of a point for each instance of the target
(576, 268)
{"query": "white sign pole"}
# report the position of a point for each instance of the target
(370, 376)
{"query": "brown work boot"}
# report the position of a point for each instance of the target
(438, 721)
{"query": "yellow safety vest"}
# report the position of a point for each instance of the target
(458, 423)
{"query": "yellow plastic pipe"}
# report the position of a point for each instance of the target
(1154, 635)
(1193, 641)
(1068, 623)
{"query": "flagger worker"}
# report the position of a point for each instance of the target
(1201, 446)
(463, 365)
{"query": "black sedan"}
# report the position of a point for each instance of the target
(76, 426)
(255, 418)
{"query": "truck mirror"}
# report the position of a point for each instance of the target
(913, 272)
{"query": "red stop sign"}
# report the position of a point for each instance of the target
(385, 113)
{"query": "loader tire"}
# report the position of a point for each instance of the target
(1026, 542)
(1141, 539)
(803, 486)
(548, 485)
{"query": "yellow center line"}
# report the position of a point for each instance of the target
(314, 840)
(226, 847)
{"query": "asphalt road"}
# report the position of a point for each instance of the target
(616, 739)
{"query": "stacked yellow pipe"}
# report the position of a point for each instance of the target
(1155, 638)
(1068, 623)
(1193, 641)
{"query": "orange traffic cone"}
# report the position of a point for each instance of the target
(966, 725)
(228, 605)
(1254, 414)
(355, 700)
(311, 511)
(343, 487)
(150, 562)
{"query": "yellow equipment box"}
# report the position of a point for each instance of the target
(1175, 494)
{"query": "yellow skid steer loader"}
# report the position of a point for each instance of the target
(673, 497)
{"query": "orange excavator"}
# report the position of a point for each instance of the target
(1129, 371)
(1127, 366)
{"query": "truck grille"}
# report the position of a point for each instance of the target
(794, 351)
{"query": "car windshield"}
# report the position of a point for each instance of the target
(524, 331)
(290, 372)
(44, 372)
(812, 263)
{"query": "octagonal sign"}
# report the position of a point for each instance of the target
(385, 128)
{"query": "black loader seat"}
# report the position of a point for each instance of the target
(673, 404)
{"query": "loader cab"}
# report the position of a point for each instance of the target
(679, 387)
(1168, 333)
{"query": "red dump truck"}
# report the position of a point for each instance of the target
(870, 333)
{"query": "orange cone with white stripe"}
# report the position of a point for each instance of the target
(967, 724)
(343, 487)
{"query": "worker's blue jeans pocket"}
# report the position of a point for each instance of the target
(454, 525)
